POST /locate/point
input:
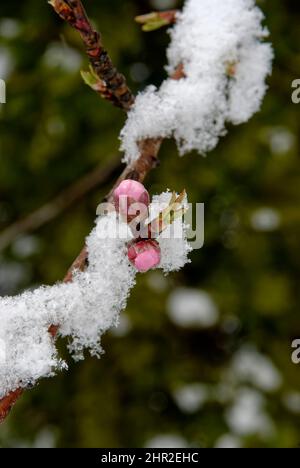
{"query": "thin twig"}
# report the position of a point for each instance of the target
(112, 84)
(59, 204)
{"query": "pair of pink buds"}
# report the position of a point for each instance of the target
(143, 254)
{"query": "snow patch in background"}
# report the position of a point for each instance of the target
(189, 307)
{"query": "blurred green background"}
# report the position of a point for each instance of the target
(202, 358)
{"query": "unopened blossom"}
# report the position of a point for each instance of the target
(130, 198)
(144, 255)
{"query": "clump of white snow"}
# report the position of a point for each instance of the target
(225, 63)
(83, 309)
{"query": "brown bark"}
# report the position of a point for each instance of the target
(112, 84)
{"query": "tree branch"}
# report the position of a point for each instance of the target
(111, 84)
(138, 170)
(60, 203)
(72, 11)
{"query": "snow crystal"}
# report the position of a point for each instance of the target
(225, 65)
(83, 309)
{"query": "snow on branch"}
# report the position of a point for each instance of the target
(220, 45)
(217, 63)
(82, 310)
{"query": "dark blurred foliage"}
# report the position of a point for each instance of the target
(54, 129)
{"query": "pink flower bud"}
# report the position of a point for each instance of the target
(128, 193)
(144, 255)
